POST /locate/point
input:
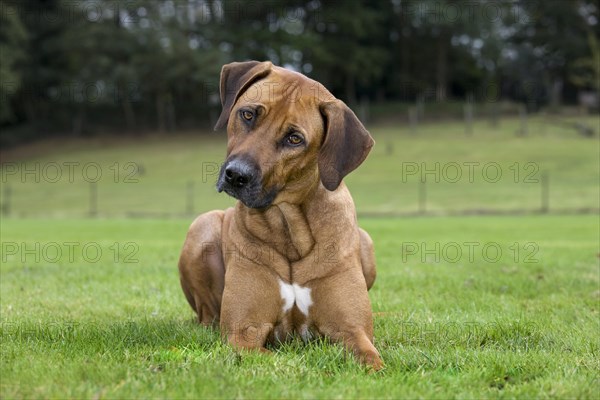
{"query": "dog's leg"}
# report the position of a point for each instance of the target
(363, 349)
(252, 336)
(357, 339)
(251, 306)
(201, 267)
(367, 258)
(342, 311)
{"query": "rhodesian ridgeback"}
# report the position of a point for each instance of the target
(289, 258)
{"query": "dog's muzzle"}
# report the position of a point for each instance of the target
(242, 179)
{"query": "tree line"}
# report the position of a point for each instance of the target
(83, 66)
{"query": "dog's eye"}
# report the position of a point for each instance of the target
(294, 139)
(247, 115)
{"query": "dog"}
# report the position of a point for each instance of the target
(289, 258)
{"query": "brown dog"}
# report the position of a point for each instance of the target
(289, 258)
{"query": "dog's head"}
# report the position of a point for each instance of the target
(285, 133)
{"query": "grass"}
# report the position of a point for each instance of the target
(150, 176)
(465, 307)
(519, 325)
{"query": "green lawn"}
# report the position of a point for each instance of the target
(465, 307)
(523, 324)
(493, 169)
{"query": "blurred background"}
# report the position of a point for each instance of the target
(129, 89)
(83, 67)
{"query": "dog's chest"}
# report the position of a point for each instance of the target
(295, 295)
(285, 229)
(294, 313)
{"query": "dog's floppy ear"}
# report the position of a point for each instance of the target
(236, 77)
(345, 146)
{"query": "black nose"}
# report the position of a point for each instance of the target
(236, 177)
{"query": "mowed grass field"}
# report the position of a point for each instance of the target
(465, 307)
(494, 169)
(524, 324)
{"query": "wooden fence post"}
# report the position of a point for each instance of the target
(6, 198)
(422, 197)
(545, 192)
(523, 118)
(413, 119)
(468, 113)
(93, 211)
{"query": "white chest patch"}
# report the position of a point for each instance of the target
(297, 294)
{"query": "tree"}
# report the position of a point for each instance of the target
(552, 35)
(13, 36)
(345, 44)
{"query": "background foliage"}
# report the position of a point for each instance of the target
(82, 66)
